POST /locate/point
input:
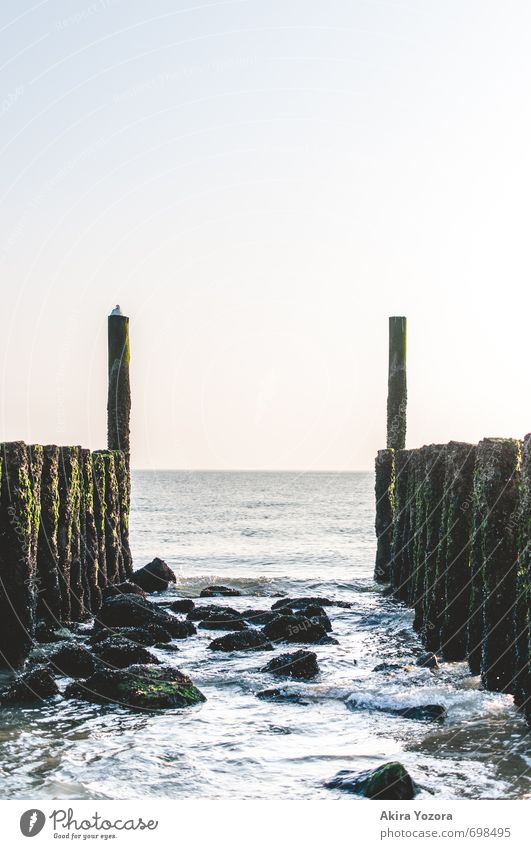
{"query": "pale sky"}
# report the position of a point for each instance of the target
(260, 184)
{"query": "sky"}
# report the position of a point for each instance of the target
(260, 184)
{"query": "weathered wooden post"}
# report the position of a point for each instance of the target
(119, 397)
(397, 384)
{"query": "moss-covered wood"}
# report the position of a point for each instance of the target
(99, 497)
(433, 601)
(124, 498)
(401, 518)
(19, 527)
(522, 624)
(397, 384)
(494, 561)
(453, 566)
(113, 546)
(384, 489)
(119, 397)
(89, 536)
(49, 593)
(68, 537)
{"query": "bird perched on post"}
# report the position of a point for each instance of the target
(117, 310)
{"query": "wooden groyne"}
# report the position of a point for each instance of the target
(453, 525)
(64, 523)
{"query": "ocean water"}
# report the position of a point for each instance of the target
(266, 534)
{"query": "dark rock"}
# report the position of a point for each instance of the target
(125, 588)
(45, 633)
(208, 611)
(139, 687)
(259, 617)
(33, 686)
(429, 713)
(182, 605)
(73, 660)
(429, 660)
(275, 695)
(167, 647)
(304, 601)
(299, 664)
(315, 611)
(248, 640)
(179, 629)
(120, 653)
(218, 590)
(133, 610)
(155, 576)
(390, 781)
(223, 623)
(389, 667)
(329, 641)
(147, 636)
(295, 629)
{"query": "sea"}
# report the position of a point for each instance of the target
(269, 534)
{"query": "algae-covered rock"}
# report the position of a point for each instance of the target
(139, 688)
(248, 640)
(73, 660)
(390, 781)
(299, 664)
(154, 577)
(33, 686)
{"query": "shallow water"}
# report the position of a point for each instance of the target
(268, 534)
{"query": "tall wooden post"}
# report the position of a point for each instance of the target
(397, 385)
(119, 398)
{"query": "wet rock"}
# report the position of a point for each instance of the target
(135, 611)
(182, 605)
(33, 686)
(147, 636)
(259, 617)
(208, 611)
(45, 633)
(390, 781)
(218, 590)
(167, 647)
(139, 687)
(304, 601)
(248, 640)
(73, 660)
(299, 664)
(295, 629)
(329, 641)
(428, 660)
(223, 622)
(125, 588)
(154, 577)
(120, 653)
(425, 713)
(276, 695)
(315, 611)
(389, 667)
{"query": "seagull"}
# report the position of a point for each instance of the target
(117, 310)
